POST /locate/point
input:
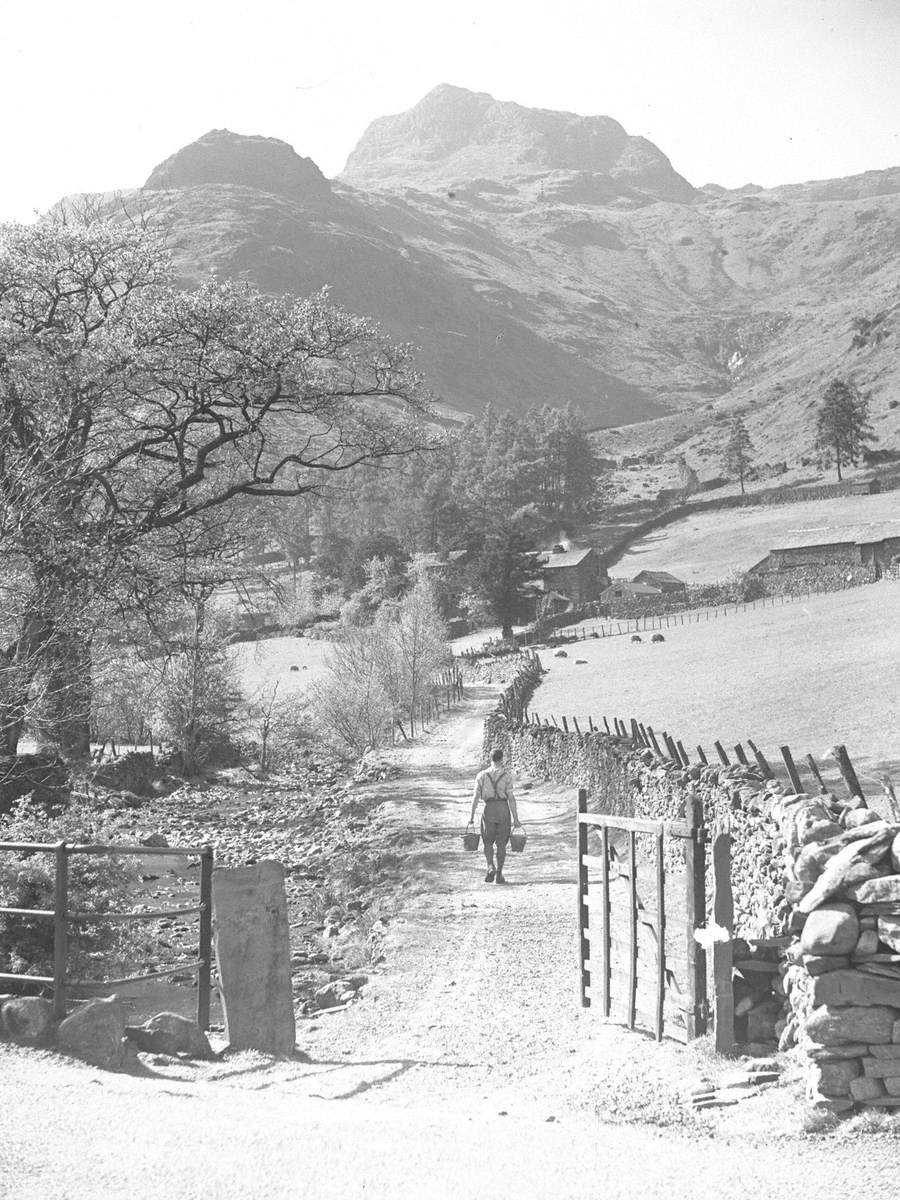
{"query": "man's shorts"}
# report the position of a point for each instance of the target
(496, 823)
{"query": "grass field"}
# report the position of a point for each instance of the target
(263, 663)
(809, 674)
(709, 546)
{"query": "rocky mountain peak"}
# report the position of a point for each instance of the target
(223, 157)
(453, 135)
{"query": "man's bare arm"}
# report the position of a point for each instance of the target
(511, 799)
(476, 796)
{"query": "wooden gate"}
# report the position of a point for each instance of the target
(641, 897)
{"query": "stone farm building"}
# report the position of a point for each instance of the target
(661, 579)
(624, 590)
(868, 548)
(575, 574)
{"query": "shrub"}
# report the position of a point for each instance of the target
(97, 884)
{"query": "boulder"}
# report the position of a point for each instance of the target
(895, 853)
(832, 1026)
(833, 1078)
(832, 929)
(853, 987)
(170, 1033)
(328, 996)
(96, 1033)
(157, 840)
(882, 890)
(891, 1084)
(892, 1051)
(863, 1088)
(27, 1019)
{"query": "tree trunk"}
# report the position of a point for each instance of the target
(65, 713)
(18, 667)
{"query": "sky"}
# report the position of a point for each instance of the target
(93, 95)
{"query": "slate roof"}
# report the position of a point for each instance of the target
(551, 559)
(632, 589)
(841, 535)
(657, 577)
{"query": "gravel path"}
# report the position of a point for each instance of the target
(467, 1068)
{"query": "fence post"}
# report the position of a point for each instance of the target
(723, 952)
(792, 771)
(60, 930)
(813, 766)
(846, 766)
(695, 867)
(761, 759)
(205, 955)
(584, 947)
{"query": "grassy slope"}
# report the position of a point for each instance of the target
(710, 546)
(811, 674)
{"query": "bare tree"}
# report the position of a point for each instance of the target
(129, 408)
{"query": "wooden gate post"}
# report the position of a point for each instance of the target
(695, 868)
(723, 952)
(205, 947)
(60, 930)
(584, 948)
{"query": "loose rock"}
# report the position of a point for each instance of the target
(96, 1033)
(27, 1019)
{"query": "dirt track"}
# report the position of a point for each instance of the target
(467, 1068)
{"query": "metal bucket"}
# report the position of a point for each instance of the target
(517, 840)
(471, 838)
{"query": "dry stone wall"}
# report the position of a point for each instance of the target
(626, 779)
(842, 862)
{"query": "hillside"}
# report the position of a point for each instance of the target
(536, 256)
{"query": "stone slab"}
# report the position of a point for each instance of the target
(881, 1068)
(253, 952)
(830, 1053)
(892, 1051)
(855, 988)
(864, 1088)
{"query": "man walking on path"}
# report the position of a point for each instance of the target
(494, 787)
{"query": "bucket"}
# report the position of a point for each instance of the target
(470, 838)
(517, 840)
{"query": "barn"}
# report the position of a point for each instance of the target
(661, 579)
(875, 547)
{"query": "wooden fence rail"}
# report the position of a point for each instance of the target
(61, 983)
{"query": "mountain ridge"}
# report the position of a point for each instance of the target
(526, 278)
